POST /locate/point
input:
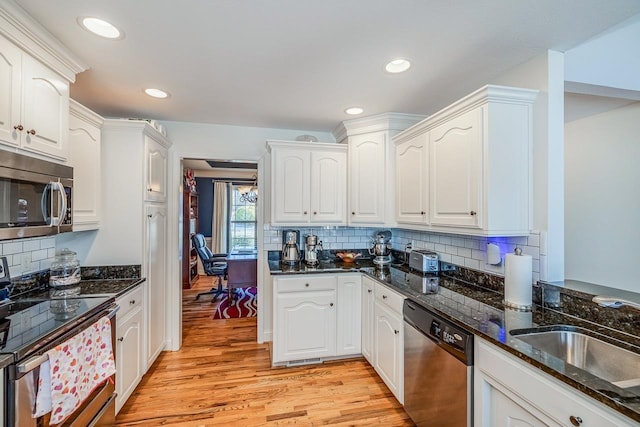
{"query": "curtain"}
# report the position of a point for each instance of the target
(220, 220)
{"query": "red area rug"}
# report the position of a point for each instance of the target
(245, 304)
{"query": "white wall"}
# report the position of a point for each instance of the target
(603, 198)
(546, 74)
(610, 60)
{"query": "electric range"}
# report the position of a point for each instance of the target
(33, 324)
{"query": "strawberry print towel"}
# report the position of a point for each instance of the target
(76, 368)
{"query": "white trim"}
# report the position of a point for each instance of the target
(29, 35)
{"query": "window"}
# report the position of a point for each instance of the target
(242, 222)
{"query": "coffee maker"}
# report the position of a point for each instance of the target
(312, 247)
(290, 251)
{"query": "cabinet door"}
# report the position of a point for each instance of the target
(84, 157)
(290, 186)
(128, 356)
(455, 165)
(155, 171)
(389, 349)
(411, 181)
(349, 314)
(45, 109)
(156, 261)
(10, 84)
(305, 325)
(328, 187)
(367, 166)
(367, 320)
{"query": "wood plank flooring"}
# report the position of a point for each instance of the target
(223, 377)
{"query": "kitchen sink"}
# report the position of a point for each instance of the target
(614, 364)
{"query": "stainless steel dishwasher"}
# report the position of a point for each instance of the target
(438, 369)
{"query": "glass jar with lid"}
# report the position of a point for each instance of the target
(65, 269)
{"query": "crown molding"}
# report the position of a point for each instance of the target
(78, 110)
(29, 35)
(377, 123)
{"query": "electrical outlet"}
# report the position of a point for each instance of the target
(26, 320)
(445, 266)
(26, 262)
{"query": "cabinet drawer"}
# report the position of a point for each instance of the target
(388, 297)
(306, 283)
(129, 301)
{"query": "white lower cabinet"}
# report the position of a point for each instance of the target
(349, 327)
(367, 305)
(389, 342)
(511, 393)
(304, 323)
(129, 339)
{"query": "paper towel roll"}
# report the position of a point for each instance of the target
(517, 319)
(517, 280)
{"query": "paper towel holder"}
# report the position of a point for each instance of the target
(493, 254)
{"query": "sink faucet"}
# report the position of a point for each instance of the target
(612, 302)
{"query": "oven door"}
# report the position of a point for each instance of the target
(97, 410)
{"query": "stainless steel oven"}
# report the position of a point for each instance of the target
(35, 197)
(99, 408)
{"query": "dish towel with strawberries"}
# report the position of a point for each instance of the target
(75, 368)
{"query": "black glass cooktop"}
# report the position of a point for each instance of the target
(33, 323)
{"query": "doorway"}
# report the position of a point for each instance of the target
(236, 232)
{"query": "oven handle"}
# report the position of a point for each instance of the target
(35, 361)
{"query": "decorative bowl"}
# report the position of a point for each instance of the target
(348, 256)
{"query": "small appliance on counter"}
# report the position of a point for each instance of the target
(312, 247)
(381, 248)
(290, 251)
(423, 261)
(5, 282)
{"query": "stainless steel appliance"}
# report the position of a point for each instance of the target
(35, 195)
(28, 344)
(290, 251)
(312, 247)
(381, 248)
(438, 379)
(423, 261)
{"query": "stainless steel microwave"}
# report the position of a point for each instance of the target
(35, 197)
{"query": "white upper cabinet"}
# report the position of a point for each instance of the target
(328, 186)
(371, 167)
(455, 171)
(84, 156)
(34, 104)
(308, 183)
(367, 178)
(412, 192)
(10, 96)
(476, 168)
(155, 170)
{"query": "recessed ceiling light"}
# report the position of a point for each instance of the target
(398, 65)
(156, 93)
(354, 111)
(100, 27)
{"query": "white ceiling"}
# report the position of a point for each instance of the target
(297, 64)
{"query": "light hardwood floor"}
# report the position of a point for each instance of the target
(223, 377)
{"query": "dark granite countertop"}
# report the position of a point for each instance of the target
(474, 301)
(108, 287)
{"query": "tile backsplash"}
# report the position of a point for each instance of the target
(461, 250)
(28, 255)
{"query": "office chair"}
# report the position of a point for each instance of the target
(214, 265)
